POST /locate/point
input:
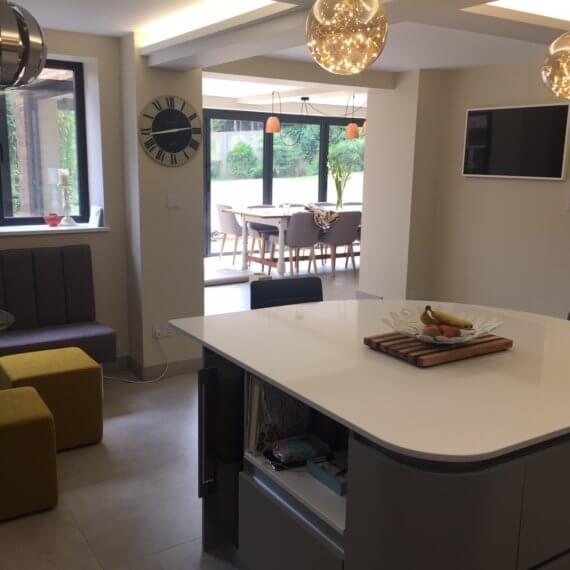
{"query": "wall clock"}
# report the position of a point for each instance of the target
(170, 131)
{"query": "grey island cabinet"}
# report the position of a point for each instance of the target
(460, 467)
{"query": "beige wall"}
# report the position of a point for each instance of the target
(498, 242)
(429, 232)
(108, 249)
(166, 245)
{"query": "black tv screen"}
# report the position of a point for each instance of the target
(525, 142)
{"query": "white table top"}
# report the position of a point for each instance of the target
(463, 412)
(276, 212)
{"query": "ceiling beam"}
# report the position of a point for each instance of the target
(283, 69)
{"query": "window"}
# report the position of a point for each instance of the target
(245, 166)
(42, 130)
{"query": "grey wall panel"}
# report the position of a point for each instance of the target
(402, 518)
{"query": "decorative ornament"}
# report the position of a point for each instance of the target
(346, 36)
(273, 124)
(65, 185)
(23, 50)
(556, 68)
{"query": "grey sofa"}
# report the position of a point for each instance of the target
(50, 292)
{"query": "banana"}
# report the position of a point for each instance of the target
(443, 318)
(427, 319)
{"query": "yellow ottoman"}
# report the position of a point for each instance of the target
(28, 476)
(70, 383)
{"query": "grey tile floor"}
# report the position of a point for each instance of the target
(129, 503)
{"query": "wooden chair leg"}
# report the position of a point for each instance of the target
(313, 260)
(333, 259)
(297, 254)
(347, 256)
(236, 242)
(263, 245)
(352, 256)
(291, 261)
(223, 246)
(272, 258)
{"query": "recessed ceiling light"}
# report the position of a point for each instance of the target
(198, 15)
(557, 9)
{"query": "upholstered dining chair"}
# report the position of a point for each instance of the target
(302, 233)
(229, 226)
(260, 234)
(344, 232)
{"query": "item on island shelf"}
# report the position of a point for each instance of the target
(434, 326)
(425, 355)
(6, 320)
(331, 473)
(272, 415)
(299, 450)
(53, 220)
(260, 277)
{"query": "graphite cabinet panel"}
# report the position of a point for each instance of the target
(545, 528)
(221, 450)
(562, 563)
(403, 517)
(271, 537)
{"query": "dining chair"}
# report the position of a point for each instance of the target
(260, 234)
(344, 232)
(278, 292)
(229, 226)
(302, 233)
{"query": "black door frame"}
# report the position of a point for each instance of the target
(225, 114)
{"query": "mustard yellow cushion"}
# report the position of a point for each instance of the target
(28, 477)
(71, 384)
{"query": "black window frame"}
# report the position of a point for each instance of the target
(324, 122)
(82, 157)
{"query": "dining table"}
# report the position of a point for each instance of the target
(276, 216)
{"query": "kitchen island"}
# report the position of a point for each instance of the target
(463, 466)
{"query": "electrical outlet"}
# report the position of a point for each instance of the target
(164, 330)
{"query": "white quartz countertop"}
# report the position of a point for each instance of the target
(467, 411)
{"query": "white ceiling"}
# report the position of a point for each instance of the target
(109, 17)
(419, 46)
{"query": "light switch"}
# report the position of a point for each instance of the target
(172, 201)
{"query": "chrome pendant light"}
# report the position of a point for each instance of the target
(556, 69)
(23, 49)
(346, 36)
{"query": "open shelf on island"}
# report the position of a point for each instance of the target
(310, 492)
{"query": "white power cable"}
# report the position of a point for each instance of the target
(135, 380)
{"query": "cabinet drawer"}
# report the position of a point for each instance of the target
(273, 537)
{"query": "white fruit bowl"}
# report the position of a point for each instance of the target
(407, 322)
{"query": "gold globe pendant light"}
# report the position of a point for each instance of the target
(556, 69)
(346, 36)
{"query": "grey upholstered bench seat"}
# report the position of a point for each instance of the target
(97, 340)
(51, 293)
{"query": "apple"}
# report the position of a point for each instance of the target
(450, 332)
(432, 330)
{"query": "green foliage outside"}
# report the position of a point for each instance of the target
(14, 164)
(68, 153)
(295, 152)
(242, 162)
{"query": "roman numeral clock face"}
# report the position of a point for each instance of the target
(170, 131)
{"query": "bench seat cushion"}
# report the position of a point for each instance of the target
(97, 340)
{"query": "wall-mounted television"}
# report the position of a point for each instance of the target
(517, 142)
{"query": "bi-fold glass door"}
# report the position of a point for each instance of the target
(244, 166)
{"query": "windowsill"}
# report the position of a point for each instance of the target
(46, 230)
